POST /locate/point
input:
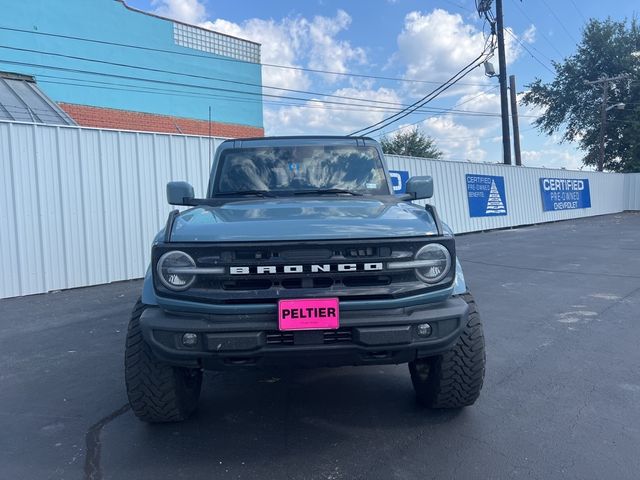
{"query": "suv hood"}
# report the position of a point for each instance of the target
(315, 218)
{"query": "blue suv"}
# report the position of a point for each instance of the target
(301, 255)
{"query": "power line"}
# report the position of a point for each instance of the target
(446, 111)
(342, 97)
(168, 82)
(529, 51)
(190, 75)
(427, 98)
(153, 90)
(463, 72)
(523, 12)
(432, 111)
(366, 108)
(228, 59)
(575, 5)
(138, 88)
(457, 5)
(559, 21)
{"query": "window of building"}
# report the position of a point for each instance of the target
(216, 43)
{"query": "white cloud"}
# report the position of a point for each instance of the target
(456, 140)
(436, 45)
(328, 53)
(318, 118)
(280, 45)
(189, 11)
(297, 41)
(529, 35)
(557, 157)
(430, 46)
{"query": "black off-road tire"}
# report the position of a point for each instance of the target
(453, 379)
(157, 392)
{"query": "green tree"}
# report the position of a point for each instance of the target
(573, 108)
(412, 143)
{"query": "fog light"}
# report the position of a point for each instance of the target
(424, 329)
(189, 339)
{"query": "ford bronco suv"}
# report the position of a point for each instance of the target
(301, 255)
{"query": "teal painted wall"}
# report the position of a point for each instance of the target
(111, 21)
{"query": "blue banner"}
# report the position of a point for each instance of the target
(565, 193)
(486, 196)
(399, 181)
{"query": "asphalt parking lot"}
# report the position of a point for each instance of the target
(560, 306)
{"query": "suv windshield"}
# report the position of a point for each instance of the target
(288, 170)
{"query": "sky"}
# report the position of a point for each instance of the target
(426, 40)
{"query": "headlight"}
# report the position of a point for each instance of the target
(435, 262)
(173, 270)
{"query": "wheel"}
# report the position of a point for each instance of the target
(453, 379)
(157, 392)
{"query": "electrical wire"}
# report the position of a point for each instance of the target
(427, 98)
(432, 111)
(566, 30)
(227, 59)
(190, 75)
(415, 106)
(529, 51)
(575, 5)
(172, 83)
(464, 71)
(446, 111)
(458, 5)
(526, 15)
(157, 90)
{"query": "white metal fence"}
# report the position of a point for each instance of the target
(524, 204)
(632, 191)
(80, 206)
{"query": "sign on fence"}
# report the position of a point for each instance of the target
(486, 196)
(565, 193)
(399, 180)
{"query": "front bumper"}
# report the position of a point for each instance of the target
(365, 337)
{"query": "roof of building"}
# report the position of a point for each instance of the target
(22, 100)
(151, 14)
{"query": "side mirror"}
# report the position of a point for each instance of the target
(419, 187)
(178, 193)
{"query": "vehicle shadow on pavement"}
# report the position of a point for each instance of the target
(299, 422)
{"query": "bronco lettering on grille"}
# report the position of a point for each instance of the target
(315, 268)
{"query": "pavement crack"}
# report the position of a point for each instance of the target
(92, 467)
(619, 301)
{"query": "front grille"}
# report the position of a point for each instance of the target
(341, 335)
(270, 286)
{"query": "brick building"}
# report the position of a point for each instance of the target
(109, 65)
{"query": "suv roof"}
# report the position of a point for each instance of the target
(297, 140)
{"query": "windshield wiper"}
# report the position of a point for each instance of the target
(327, 191)
(239, 193)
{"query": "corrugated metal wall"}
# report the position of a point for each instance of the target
(80, 206)
(632, 191)
(524, 204)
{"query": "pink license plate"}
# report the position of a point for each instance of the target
(309, 314)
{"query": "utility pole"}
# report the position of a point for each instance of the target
(604, 81)
(603, 125)
(210, 159)
(504, 101)
(514, 119)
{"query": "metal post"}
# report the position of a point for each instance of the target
(514, 119)
(603, 125)
(209, 134)
(504, 101)
(603, 113)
